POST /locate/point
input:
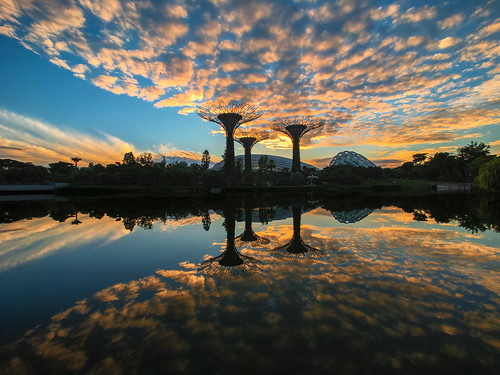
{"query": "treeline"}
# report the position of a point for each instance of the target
(140, 171)
(471, 163)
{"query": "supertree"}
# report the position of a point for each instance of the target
(296, 250)
(230, 264)
(295, 127)
(229, 114)
(248, 139)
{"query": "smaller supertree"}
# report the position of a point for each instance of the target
(295, 127)
(248, 139)
(229, 114)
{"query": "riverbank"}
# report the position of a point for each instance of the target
(393, 187)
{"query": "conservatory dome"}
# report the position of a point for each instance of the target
(351, 158)
(280, 162)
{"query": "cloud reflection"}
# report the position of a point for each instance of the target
(387, 298)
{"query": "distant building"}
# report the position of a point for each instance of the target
(351, 158)
(281, 162)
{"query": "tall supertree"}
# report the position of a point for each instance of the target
(295, 127)
(296, 250)
(248, 139)
(229, 114)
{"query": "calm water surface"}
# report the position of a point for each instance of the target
(250, 285)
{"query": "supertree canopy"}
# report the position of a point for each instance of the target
(229, 114)
(248, 139)
(295, 127)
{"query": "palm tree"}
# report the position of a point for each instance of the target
(76, 159)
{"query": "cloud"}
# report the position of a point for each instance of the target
(172, 154)
(350, 59)
(32, 140)
(451, 21)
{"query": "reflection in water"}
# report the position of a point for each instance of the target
(230, 264)
(75, 221)
(352, 216)
(29, 240)
(249, 237)
(297, 250)
(390, 298)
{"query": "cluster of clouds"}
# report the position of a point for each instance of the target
(395, 75)
(26, 138)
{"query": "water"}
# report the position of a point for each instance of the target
(251, 284)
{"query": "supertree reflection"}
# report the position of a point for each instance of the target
(231, 264)
(249, 237)
(296, 250)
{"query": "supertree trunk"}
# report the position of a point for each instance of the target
(229, 167)
(230, 122)
(248, 160)
(297, 216)
(296, 155)
(230, 257)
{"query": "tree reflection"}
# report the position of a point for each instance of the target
(296, 250)
(249, 237)
(231, 264)
(75, 221)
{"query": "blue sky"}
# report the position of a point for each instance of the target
(96, 79)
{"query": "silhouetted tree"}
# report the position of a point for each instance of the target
(419, 158)
(296, 127)
(128, 158)
(229, 115)
(61, 171)
(205, 160)
(263, 164)
(473, 150)
(76, 159)
(145, 159)
(271, 165)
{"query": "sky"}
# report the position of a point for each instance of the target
(95, 79)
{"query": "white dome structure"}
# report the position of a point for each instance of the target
(351, 158)
(280, 161)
